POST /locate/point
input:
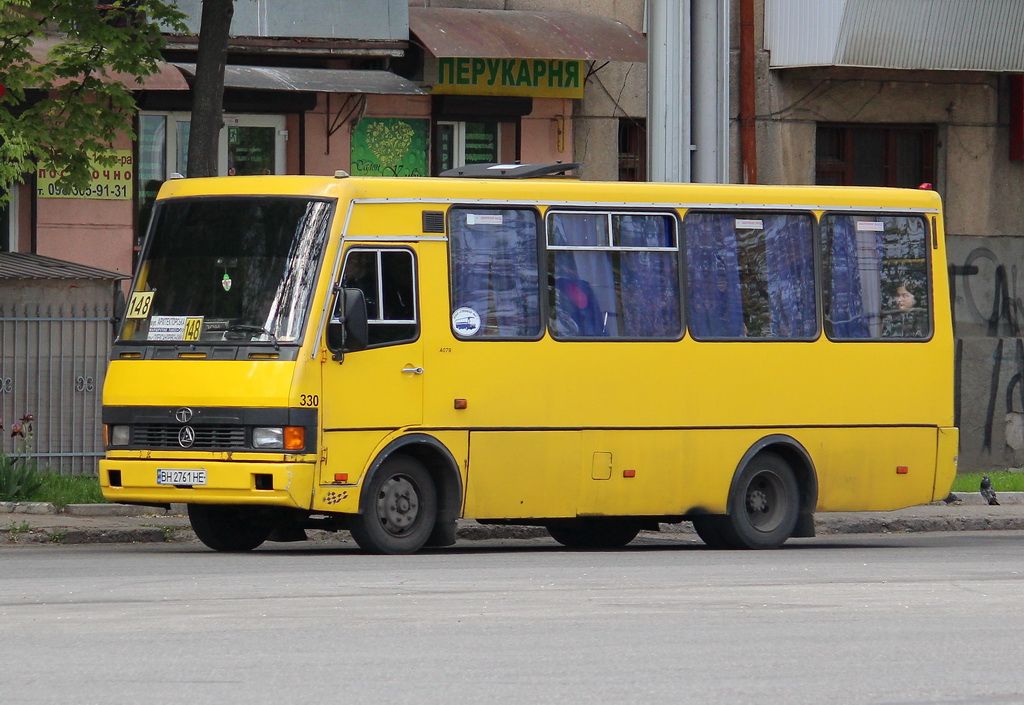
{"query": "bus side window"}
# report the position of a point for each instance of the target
(876, 276)
(751, 275)
(387, 278)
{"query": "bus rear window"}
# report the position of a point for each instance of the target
(876, 276)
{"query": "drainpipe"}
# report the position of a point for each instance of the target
(748, 125)
(668, 81)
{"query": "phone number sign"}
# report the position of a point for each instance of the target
(112, 183)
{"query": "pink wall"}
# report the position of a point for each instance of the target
(89, 231)
(540, 131)
(325, 155)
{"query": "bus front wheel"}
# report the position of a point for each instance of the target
(401, 510)
(765, 506)
(229, 528)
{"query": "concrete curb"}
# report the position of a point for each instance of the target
(154, 525)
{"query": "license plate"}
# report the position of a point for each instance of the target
(180, 477)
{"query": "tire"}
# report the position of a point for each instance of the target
(593, 533)
(709, 529)
(400, 509)
(230, 528)
(765, 505)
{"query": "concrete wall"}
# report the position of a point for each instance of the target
(982, 193)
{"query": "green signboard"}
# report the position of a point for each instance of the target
(390, 147)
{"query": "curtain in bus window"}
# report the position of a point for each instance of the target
(584, 282)
(789, 254)
(844, 307)
(495, 276)
(715, 305)
(650, 280)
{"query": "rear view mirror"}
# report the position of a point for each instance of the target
(348, 330)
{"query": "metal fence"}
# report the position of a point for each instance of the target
(53, 365)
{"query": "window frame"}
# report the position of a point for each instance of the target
(754, 212)
(538, 218)
(380, 321)
(844, 166)
(678, 261)
(826, 273)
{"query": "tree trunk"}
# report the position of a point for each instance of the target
(208, 89)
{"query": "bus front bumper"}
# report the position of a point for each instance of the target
(281, 484)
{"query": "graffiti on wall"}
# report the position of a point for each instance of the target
(988, 301)
(990, 295)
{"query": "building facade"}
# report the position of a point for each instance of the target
(857, 92)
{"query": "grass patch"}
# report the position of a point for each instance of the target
(1002, 481)
(62, 490)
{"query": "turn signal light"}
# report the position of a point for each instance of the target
(294, 437)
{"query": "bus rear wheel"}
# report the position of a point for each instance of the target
(229, 528)
(593, 533)
(401, 510)
(765, 503)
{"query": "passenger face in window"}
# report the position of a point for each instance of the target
(905, 301)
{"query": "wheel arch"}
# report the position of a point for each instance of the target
(799, 460)
(440, 465)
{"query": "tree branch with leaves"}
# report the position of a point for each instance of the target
(63, 64)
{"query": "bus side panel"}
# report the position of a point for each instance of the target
(351, 453)
(634, 473)
(946, 461)
(873, 469)
(523, 474)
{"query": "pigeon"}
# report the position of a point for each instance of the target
(987, 492)
(952, 499)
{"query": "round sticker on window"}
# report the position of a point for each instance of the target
(466, 321)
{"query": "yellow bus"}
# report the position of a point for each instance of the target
(387, 356)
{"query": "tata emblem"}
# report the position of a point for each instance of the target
(186, 436)
(183, 415)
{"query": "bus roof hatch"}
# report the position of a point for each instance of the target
(511, 171)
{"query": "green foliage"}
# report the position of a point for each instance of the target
(62, 490)
(1002, 481)
(71, 105)
(19, 479)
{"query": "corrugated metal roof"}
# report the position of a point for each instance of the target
(518, 34)
(24, 265)
(166, 77)
(949, 35)
(275, 78)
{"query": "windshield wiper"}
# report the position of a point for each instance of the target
(244, 328)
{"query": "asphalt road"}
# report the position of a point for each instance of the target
(899, 618)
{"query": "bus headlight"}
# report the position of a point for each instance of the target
(268, 437)
(287, 438)
(120, 435)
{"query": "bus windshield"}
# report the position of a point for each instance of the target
(228, 270)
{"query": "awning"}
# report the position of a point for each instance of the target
(938, 35)
(275, 78)
(518, 34)
(166, 77)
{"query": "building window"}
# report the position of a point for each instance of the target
(632, 149)
(457, 143)
(871, 155)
